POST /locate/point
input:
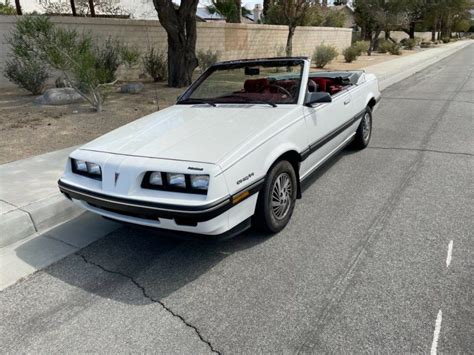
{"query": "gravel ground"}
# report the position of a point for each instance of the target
(27, 129)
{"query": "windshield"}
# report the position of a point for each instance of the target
(263, 83)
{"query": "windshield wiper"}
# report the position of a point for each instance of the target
(251, 101)
(198, 101)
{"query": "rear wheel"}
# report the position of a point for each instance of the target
(276, 200)
(364, 131)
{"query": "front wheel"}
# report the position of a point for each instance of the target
(276, 200)
(364, 131)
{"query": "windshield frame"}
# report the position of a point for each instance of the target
(238, 64)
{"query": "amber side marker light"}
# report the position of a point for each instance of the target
(237, 198)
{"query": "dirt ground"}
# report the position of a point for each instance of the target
(27, 129)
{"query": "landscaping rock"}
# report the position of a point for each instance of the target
(132, 88)
(60, 82)
(59, 96)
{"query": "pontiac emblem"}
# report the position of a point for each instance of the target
(116, 178)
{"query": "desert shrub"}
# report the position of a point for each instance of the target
(108, 59)
(207, 58)
(425, 44)
(155, 64)
(384, 46)
(395, 49)
(87, 67)
(7, 8)
(28, 73)
(445, 39)
(408, 43)
(350, 53)
(361, 46)
(323, 55)
(130, 55)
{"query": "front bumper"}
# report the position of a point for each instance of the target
(195, 219)
(146, 210)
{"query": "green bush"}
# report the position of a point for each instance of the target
(409, 43)
(207, 58)
(108, 59)
(445, 39)
(323, 55)
(384, 46)
(28, 73)
(361, 46)
(130, 55)
(7, 8)
(155, 64)
(350, 53)
(395, 49)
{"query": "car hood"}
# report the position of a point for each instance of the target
(192, 133)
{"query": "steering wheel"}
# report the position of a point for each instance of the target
(281, 89)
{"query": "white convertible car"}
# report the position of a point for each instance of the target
(233, 150)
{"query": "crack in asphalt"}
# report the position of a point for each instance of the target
(149, 297)
(341, 284)
(423, 150)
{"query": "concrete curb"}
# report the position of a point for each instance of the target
(25, 212)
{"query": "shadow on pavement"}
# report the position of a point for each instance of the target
(160, 265)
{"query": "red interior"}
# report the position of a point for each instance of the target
(262, 89)
(328, 85)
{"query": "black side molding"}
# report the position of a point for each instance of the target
(323, 140)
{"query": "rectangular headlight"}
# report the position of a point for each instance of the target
(177, 180)
(93, 169)
(200, 182)
(156, 179)
(80, 165)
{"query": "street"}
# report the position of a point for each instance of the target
(378, 256)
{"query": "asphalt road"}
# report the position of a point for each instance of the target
(363, 265)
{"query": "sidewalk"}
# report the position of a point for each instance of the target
(31, 204)
(30, 201)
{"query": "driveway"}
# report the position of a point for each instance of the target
(378, 256)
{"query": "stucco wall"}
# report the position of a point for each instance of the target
(233, 41)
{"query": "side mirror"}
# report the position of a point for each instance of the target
(319, 97)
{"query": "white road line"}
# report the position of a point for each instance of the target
(450, 251)
(434, 345)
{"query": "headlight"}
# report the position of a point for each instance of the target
(93, 168)
(177, 180)
(200, 182)
(80, 165)
(156, 179)
(85, 168)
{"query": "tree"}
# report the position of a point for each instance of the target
(375, 16)
(292, 13)
(73, 8)
(18, 7)
(91, 7)
(266, 6)
(180, 25)
(227, 8)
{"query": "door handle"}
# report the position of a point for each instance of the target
(346, 102)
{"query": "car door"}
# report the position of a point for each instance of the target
(325, 126)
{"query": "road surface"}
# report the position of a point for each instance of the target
(378, 257)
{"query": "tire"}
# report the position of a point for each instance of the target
(274, 209)
(364, 131)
